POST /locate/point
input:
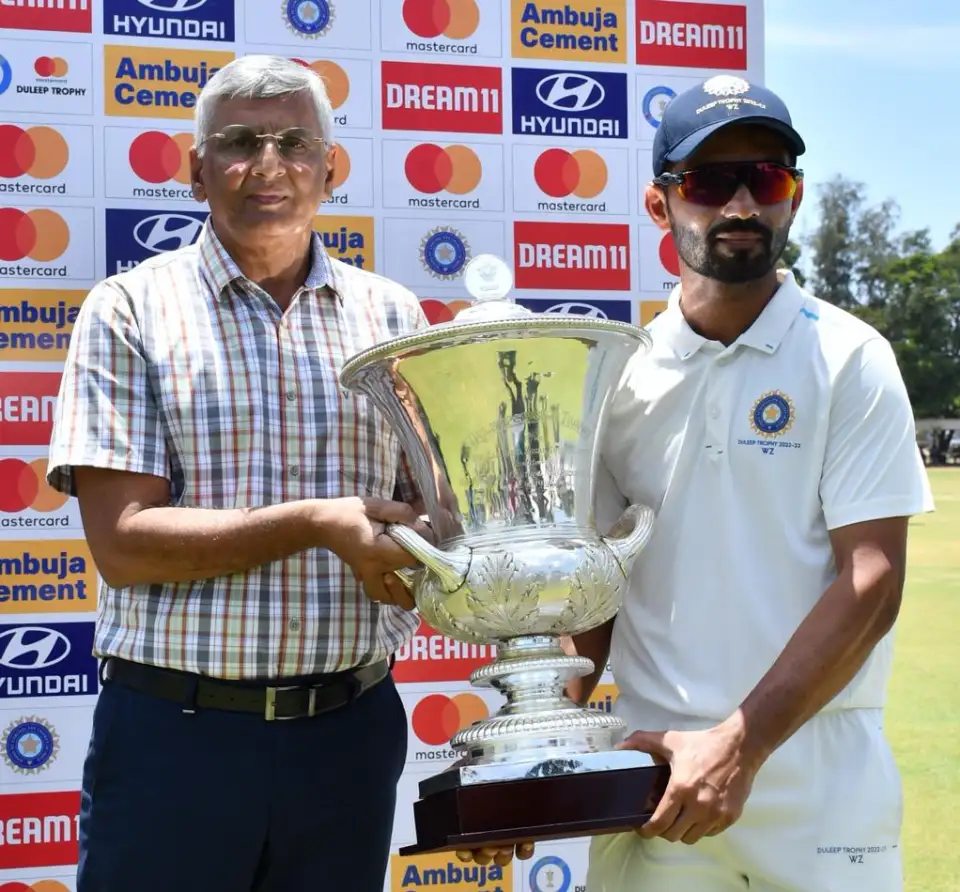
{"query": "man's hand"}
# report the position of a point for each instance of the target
(711, 778)
(502, 855)
(355, 531)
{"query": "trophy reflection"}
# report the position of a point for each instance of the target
(500, 412)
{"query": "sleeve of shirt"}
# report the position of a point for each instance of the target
(106, 416)
(407, 489)
(872, 467)
(609, 502)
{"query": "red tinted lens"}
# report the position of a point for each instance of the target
(716, 185)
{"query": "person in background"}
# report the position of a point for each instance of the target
(773, 434)
(248, 734)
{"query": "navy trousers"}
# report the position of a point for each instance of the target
(228, 802)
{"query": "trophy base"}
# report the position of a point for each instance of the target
(471, 807)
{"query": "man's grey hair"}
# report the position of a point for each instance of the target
(262, 77)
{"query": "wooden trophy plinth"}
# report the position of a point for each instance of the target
(559, 806)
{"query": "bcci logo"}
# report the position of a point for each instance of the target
(444, 253)
(550, 874)
(308, 18)
(655, 104)
(726, 85)
(29, 745)
(772, 415)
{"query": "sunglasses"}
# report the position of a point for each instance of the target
(237, 142)
(715, 185)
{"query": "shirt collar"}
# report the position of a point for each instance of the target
(765, 335)
(221, 270)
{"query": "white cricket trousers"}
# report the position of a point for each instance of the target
(824, 816)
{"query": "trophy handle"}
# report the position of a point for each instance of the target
(629, 535)
(450, 567)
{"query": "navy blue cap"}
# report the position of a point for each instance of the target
(696, 114)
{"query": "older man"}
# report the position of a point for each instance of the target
(248, 735)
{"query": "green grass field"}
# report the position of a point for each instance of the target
(923, 714)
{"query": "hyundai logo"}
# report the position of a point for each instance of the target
(32, 647)
(172, 5)
(166, 232)
(570, 92)
(578, 309)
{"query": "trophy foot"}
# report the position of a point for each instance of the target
(539, 721)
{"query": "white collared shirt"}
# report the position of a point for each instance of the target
(750, 454)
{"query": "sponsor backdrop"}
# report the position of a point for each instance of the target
(519, 128)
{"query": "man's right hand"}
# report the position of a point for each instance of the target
(355, 530)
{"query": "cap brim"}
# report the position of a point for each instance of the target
(688, 146)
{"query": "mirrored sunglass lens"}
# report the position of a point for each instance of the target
(771, 185)
(711, 187)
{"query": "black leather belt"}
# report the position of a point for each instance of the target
(292, 701)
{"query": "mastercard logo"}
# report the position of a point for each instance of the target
(51, 66)
(430, 168)
(24, 485)
(335, 78)
(668, 255)
(38, 886)
(157, 157)
(559, 173)
(454, 19)
(437, 311)
(40, 234)
(39, 152)
(437, 718)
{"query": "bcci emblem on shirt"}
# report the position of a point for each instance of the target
(772, 415)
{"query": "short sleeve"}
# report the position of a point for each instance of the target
(609, 502)
(872, 466)
(106, 414)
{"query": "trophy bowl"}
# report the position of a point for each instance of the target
(500, 414)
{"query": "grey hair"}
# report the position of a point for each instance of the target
(262, 77)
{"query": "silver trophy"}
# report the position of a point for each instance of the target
(500, 412)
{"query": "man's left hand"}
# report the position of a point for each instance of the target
(710, 780)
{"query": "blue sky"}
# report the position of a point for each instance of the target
(872, 88)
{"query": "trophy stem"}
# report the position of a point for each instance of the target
(538, 720)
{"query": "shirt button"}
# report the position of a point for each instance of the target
(295, 624)
(714, 412)
(292, 394)
(294, 471)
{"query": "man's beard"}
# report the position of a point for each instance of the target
(731, 264)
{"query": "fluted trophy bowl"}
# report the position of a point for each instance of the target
(500, 414)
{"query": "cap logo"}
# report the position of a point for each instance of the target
(726, 85)
(730, 92)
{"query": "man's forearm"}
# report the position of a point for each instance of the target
(168, 544)
(823, 656)
(595, 645)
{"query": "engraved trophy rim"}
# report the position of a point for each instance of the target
(453, 333)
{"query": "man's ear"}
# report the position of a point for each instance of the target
(196, 176)
(655, 201)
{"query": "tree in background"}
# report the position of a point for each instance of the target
(899, 284)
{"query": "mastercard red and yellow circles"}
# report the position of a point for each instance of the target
(157, 157)
(35, 886)
(51, 66)
(453, 19)
(334, 77)
(438, 311)
(431, 168)
(559, 173)
(437, 718)
(39, 152)
(39, 234)
(24, 485)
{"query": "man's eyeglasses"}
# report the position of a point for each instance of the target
(238, 142)
(714, 185)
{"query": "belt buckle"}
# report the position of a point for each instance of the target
(270, 707)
